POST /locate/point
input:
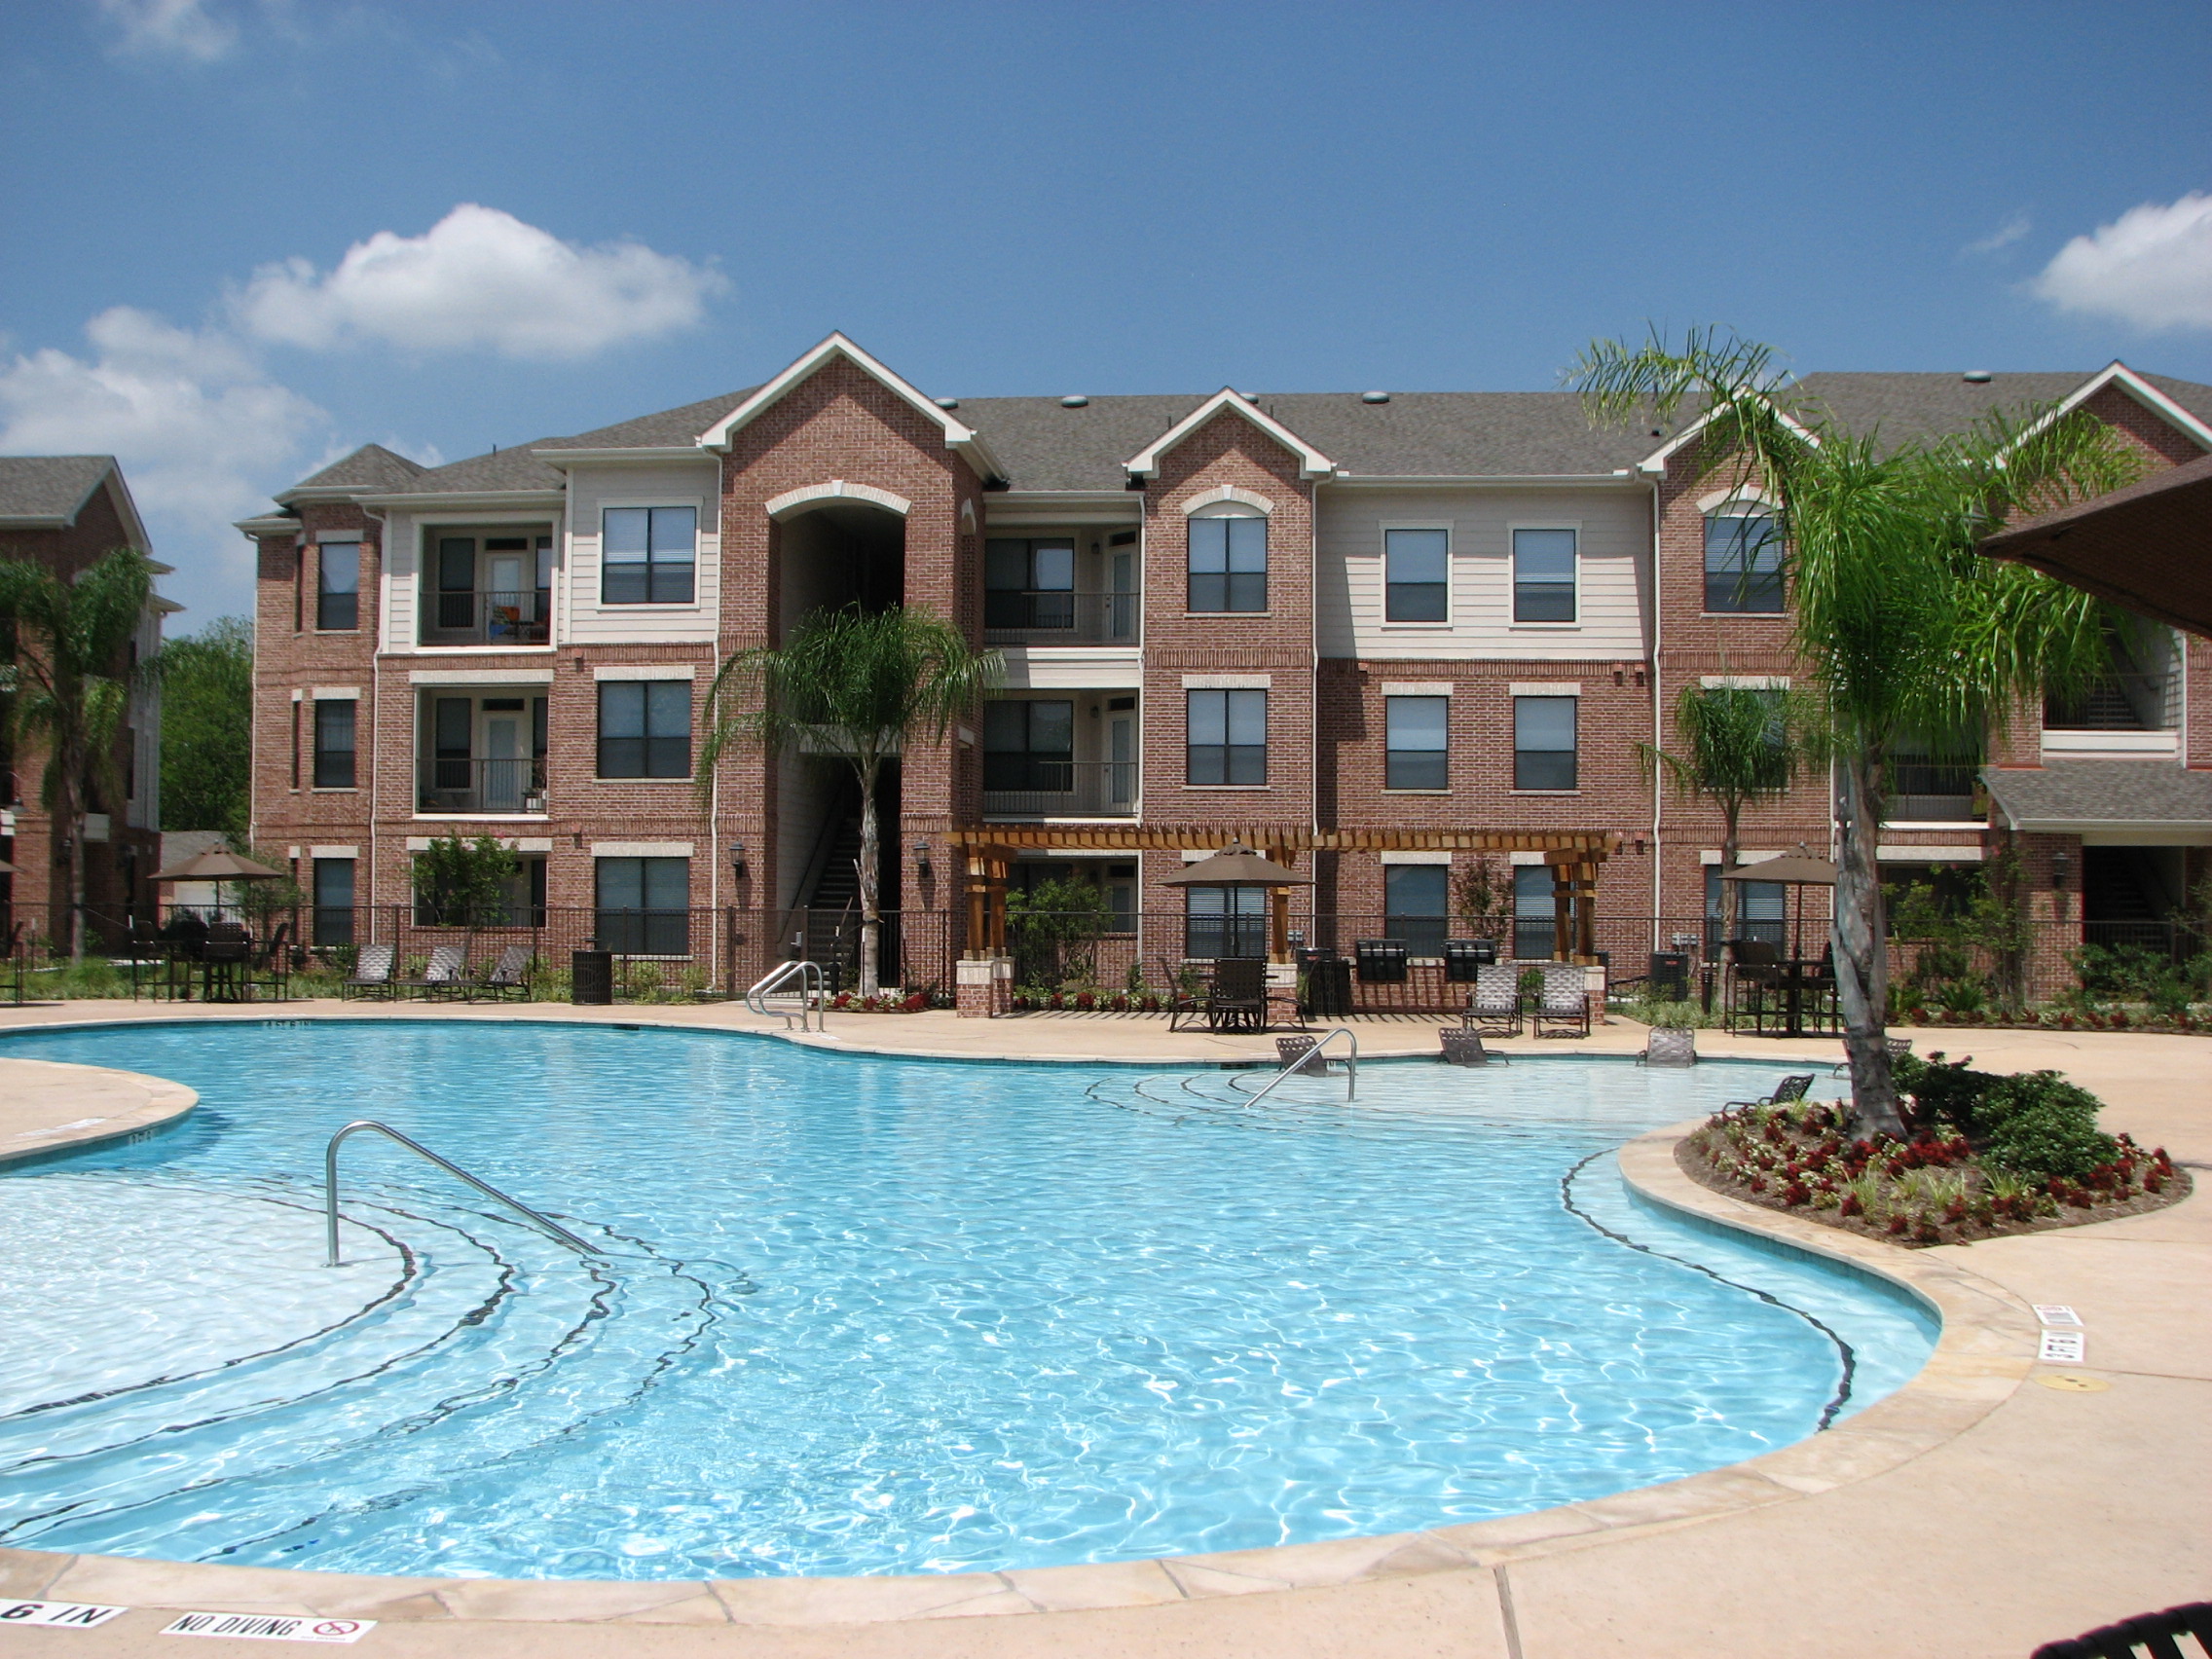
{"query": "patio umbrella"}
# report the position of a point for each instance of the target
(1799, 870)
(1236, 866)
(217, 866)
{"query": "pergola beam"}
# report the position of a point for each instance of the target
(1561, 846)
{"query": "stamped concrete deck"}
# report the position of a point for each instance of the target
(1977, 1512)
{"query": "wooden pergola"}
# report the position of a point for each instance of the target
(1574, 857)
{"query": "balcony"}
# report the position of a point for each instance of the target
(1932, 792)
(507, 788)
(2122, 717)
(1058, 616)
(1059, 788)
(476, 617)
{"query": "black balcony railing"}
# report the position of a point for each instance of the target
(1930, 791)
(1062, 616)
(2119, 702)
(1062, 788)
(480, 786)
(456, 618)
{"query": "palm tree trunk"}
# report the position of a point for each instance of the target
(68, 825)
(872, 918)
(1731, 849)
(1861, 957)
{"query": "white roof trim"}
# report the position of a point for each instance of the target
(836, 490)
(1749, 496)
(1656, 461)
(958, 435)
(2118, 373)
(565, 457)
(1215, 496)
(1311, 462)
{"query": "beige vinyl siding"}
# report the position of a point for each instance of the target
(1613, 544)
(398, 583)
(678, 484)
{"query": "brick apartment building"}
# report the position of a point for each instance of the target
(64, 511)
(1378, 633)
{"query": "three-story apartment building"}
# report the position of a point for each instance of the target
(1385, 634)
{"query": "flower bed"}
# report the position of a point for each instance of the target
(1983, 1156)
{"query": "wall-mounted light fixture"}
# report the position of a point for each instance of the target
(737, 859)
(2061, 864)
(922, 858)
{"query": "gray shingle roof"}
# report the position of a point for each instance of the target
(371, 467)
(1415, 434)
(2067, 793)
(48, 487)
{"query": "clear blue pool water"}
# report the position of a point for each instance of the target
(871, 1315)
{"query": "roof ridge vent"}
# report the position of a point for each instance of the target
(1075, 401)
(1374, 397)
(1976, 377)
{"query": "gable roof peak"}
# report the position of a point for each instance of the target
(1311, 462)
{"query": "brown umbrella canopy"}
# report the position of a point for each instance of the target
(1795, 870)
(1236, 866)
(2147, 547)
(217, 866)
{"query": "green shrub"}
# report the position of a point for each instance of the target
(2040, 1124)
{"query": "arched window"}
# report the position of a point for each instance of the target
(1229, 557)
(1743, 558)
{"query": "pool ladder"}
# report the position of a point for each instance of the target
(330, 1188)
(812, 983)
(1351, 1064)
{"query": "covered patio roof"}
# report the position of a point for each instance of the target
(2146, 546)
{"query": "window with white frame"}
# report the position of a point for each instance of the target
(1227, 738)
(1228, 558)
(1543, 743)
(1743, 560)
(1417, 566)
(334, 743)
(1544, 576)
(337, 587)
(648, 556)
(1415, 742)
(645, 728)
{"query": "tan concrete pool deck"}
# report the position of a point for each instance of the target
(1992, 1505)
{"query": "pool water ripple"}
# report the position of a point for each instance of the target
(871, 1315)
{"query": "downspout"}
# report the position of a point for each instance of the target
(1658, 787)
(382, 522)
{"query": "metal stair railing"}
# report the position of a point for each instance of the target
(330, 1188)
(1351, 1064)
(813, 983)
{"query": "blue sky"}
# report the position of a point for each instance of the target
(233, 248)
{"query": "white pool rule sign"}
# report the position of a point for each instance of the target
(269, 1627)
(58, 1615)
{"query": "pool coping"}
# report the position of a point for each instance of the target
(163, 1104)
(1985, 1348)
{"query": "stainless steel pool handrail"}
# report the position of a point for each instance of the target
(812, 982)
(330, 1187)
(1351, 1064)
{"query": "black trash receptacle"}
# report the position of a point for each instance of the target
(1328, 988)
(591, 975)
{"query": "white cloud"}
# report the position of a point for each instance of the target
(171, 28)
(479, 279)
(2152, 267)
(2003, 237)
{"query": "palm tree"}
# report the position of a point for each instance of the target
(71, 684)
(859, 686)
(1908, 634)
(1741, 744)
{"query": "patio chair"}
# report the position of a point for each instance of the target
(1182, 1000)
(1493, 1006)
(1462, 1047)
(273, 970)
(446, 974)
(1899, 1048)
(1565, 1001)
(1791, 1090)
(1238, 998)
(2154, 1632)
(1669, 1046)
(372, 972)
(509, 974)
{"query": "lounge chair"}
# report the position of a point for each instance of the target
(1238, 998)
(2154, 1632)
(1181, 1001)
(446, 974)
(372, 972)
(1462, 1047)
(1791, 1090)
(509, 976)
(1899, 1048)
(1669, 1046)
(1493, 1006)
(1565, 1001)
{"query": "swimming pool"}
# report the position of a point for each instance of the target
(861, 1315)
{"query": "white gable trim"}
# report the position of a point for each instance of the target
(1213, 498)
(958, 435)
(792, 501)
(1656, 461)
(1311, 462)
(1748, 495)
(2118, 373)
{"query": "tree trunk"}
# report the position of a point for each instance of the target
(872, 919)
(69, 815)
(1861, 957)
(1731, 901)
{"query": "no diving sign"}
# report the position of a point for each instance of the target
(269, 1627)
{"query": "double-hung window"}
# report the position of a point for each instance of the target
(648, 556)
(1743, 563)
(1228, 561)
(334, 744)
(645, 728)
(1227, 733)
(333, 900)
(1416, 906)
(338, 586)
(1417, 575)
(1762, 911)
(644, 906)
(1543, 743)
(1543, 575)
(1535, 912)
(1415, 742)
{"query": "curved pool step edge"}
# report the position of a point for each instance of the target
(49, 1102)
(1986, 1348)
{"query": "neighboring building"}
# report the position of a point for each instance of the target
(1367, 628)
(64, 511)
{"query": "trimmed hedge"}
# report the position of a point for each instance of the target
(2036, 1123)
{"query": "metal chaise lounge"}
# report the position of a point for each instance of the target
(372, 972)
(1565, 1001)
(1789, 1091)
(2154, 1634)
(1493, 1005)
(1669, 1046)
(446, 974)
(509, 976)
